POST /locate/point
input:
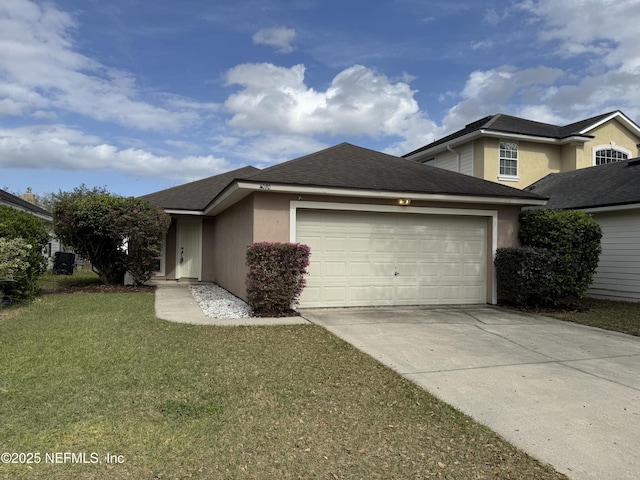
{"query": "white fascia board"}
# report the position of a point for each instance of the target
(171, 211)
(612, 208)
(348, 192)
(621, 116)
(532, 138)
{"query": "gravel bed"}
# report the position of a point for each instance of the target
(216, 302)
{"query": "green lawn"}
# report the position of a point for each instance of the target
(621, 317)
(98, 373)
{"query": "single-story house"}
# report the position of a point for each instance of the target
(382, 230)
(517, 152)
(611, 194)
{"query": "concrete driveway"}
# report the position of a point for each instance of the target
(567, 394)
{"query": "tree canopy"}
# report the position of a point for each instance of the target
(116, 234)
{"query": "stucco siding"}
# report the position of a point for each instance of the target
(612, 131)
(233, 233)
(170, 252)
(618, 273)
(271, 217)
(208, 249)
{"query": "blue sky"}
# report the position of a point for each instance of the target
(141, 95)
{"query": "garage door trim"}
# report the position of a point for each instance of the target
(356, 207)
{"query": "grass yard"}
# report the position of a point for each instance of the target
(621, 317)
(97, 373)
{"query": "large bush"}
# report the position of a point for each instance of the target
(116, 234)
(526, 275)
(573, 237)
(276, 276)
(557, 260)
(16, 224)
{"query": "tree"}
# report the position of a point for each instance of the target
(16, 224)
(116, 234)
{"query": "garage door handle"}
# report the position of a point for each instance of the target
(395, 274)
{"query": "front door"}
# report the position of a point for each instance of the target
(189, 248)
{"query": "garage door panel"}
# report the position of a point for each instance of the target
(361, 258)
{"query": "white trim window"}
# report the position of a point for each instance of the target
(609, 153)
(508, 160)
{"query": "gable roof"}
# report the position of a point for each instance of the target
(600, 186)
(501, 124)
(18, 203)
(196, 195)
(350, 167)
(344, 169)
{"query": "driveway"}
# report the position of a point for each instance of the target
(567, 394)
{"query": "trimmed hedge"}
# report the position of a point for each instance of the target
(276, 276)
(557, 261)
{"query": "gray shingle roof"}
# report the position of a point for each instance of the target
(352, 167)
(501, 123)
(196, 195)
(604, 185)
(342, 166)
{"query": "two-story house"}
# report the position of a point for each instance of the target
(518, 152)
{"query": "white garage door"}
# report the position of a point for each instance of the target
(362, 258)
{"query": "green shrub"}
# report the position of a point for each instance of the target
(16, 224)
(14, 265)
(557, 261)
(276, 276)
(573, 237)
(526, 276)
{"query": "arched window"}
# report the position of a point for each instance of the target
(609, 153)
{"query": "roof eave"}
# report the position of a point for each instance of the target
(497, 134)
(234, 194)
(621, 116)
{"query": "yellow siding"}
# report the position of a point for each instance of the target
(611, 131)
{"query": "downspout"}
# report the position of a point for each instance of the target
(457, 156)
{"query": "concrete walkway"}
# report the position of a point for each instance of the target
(565, 393)
(174, 302)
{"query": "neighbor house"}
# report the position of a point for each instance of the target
(611, 194)
(517, 152)
(27, 204)
(382, 230)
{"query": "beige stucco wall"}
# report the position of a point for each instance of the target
(208, 271)
(232, 235)
(612, 131)
(271, 217)
(170, 252)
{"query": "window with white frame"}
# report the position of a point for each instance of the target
(609, 154)
(508, 159)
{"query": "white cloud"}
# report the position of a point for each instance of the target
(279, 38)
(40, 71)
(60, 147)
(276, 100)
(500, 90)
